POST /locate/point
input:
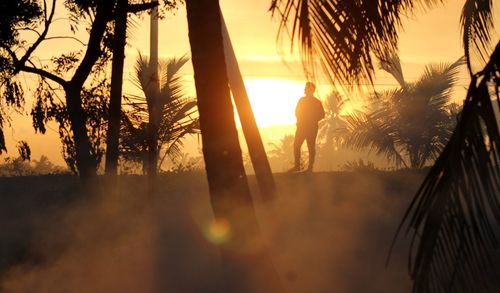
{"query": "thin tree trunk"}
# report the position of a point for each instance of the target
(248, 267)
(115, 102)
(155, 111)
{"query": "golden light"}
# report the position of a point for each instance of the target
(273, 100)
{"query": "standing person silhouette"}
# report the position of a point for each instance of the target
(309, 112)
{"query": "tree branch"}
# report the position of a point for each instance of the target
(134, 8)
(45, 74)
(66, 37)
(11, 53)
(42, 36)
(30, 29)
(103, 16)
(45, 10)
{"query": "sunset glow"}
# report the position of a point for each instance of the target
(273, 87)
(273, 100)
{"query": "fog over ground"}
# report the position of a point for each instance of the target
(326, 232)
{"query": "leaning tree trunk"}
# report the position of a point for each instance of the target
(256, 149)
(248, 267)
(115, 104)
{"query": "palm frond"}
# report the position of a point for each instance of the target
(438, 80)
(477, 26)
(389, 62)
(454, 218)
(143, 78)
(339, 35)
(176, 114)
(170, 83)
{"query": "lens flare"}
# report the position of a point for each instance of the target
(218, 231)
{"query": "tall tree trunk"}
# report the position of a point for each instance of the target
(115, 102)
(248, 267)
(154, 106)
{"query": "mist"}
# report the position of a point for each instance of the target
(325, 232)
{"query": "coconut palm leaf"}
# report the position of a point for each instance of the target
(339, 35)
(454, 218)
(477, 26)
(171, 87)
(143, 76)
(438, 79)
(389, 62)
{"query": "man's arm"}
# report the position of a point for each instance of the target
(298, 108)
(321, 111)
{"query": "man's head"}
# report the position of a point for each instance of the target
(309, 89)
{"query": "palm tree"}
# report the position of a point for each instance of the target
(247, 266)
(409, 125)
(177, 115)
(454, 212)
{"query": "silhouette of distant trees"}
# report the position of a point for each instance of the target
(20, 167)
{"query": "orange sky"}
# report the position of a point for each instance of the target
(430, 37)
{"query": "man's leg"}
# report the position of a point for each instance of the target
(311, 146)
(297, 144)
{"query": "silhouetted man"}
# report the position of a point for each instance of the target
(309, 112)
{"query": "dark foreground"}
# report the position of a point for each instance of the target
(327, 232)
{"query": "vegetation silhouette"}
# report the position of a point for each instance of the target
(454, 216)
(38, 18)
(409, 125)
(20, 167)
(177, 114)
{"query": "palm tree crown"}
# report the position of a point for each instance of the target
(410, 125)
(176, 112)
